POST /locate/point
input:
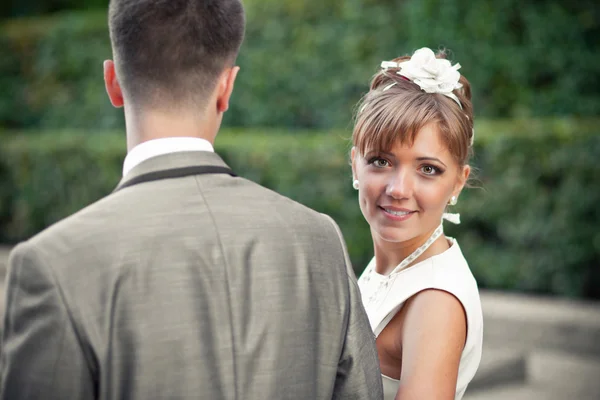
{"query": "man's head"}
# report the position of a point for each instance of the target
(171, 54)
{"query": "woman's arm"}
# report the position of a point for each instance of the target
(433, 336)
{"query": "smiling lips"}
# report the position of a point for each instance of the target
(397, 214)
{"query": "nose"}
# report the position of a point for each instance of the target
(400, 185)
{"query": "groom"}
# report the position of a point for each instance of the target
(186, 281)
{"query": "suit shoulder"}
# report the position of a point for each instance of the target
(77, 226)
(268, 199)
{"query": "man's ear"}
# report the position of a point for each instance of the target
(113, 88)
(225, 88)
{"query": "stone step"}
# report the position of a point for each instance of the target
(499, 367)
(541, 374)
(527, 323)
(4, 251)
(526, 392)
(560, 371)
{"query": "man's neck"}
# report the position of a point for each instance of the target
(145, 126)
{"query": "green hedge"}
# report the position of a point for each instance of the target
(51, 73)
(307, 63)
(19, 8)
(530, 223)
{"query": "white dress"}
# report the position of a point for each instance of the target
(383, 297)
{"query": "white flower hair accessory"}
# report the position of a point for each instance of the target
(433, 75)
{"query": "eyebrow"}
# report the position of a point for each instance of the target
(431, 159)
(418, 158)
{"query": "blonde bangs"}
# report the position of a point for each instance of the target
(387, 118)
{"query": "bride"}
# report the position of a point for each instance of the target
(412, 139)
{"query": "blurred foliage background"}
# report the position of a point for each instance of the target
(529, 225)
(306, 63)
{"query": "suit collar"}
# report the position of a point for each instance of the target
(169, 161)
(157, 147)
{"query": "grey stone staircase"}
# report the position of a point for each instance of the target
(4, 251)
(538, 348)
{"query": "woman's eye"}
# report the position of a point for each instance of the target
(379, 162)
(429, 170)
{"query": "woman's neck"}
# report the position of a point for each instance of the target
(388, 255)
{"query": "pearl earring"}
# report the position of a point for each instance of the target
(355, 184)
(453, 201)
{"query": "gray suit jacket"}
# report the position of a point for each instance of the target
(200, 287)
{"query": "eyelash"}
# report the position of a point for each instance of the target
(436, 170)
(373, 160)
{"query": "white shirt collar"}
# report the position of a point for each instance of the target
(158, 147)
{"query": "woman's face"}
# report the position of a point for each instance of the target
(404, 192)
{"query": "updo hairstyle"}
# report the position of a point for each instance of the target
(396, 109)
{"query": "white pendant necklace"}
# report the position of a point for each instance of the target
(384, 283)
(415, 254)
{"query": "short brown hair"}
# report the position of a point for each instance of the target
(173, 50)
(400, 111)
